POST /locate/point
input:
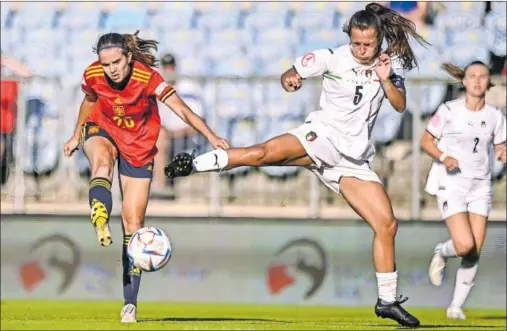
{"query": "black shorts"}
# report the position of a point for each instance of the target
(91, 129)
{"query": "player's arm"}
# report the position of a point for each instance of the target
(499, 139)
(84, 112)
(433, 132)
(167, 95)
(180, 108)
(392, 81)
(309, 65)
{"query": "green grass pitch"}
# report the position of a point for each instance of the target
(93, 315)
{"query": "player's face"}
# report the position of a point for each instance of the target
(476, 80)
(115, 63)
(363, 44)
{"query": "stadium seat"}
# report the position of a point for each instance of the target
(475, 36)
(213, 55)
(495, 26)
(236, 66)
(451, 23)
(499, 7)
(427, 96)
(316, 20)
(242, 133)
(172, 17)
(125, 20)
(51, 39)
(259, 20)
(229, 36)
(387, 125)
(277, 37)
(35, 15)
(191, 66)
(462, 54)
(219, 20)
(325, 38)
(42, 139)
(5, 12)
(311, 6)
(78, 16)
(11, 39)
(233, 98)
(476, 8)
(182, 43)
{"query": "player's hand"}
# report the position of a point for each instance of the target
(291, 81)
(451, 164)
(70, 146)
(219, 143)
(501, 155)
(383, 68)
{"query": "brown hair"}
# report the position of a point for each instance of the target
(393, 27)
(459, 74)
(140, 48)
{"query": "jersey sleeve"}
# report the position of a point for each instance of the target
(159, 88)
(397, 75)
(437, 122)
(314, 63)
(499, 135)
(86, 87)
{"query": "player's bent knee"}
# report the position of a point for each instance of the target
(102, 167)
(258, 154)
(132, 224)
(386, 227)
(465, 248)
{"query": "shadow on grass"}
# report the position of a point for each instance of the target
(455, 326)
(209, 319)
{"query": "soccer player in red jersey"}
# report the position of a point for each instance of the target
(119, 121)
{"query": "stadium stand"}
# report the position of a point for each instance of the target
(230, 40)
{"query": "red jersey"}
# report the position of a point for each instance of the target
(130, 115)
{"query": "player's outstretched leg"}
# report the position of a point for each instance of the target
(371, 202)
(282, 150)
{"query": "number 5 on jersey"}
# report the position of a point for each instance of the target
(358, 96)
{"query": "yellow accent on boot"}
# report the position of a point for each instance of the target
(100, 217)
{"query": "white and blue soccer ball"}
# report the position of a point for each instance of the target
(149, 249)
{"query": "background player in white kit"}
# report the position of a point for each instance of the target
(460, 176)
(334, 143)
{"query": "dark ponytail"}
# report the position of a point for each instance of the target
(140, 48)
(393, 27)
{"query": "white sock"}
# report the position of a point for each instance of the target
(464, 283)
(387, 283)
(447, 249)
(215, 160)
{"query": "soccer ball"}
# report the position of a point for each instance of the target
(149, 249)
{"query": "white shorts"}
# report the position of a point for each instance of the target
(330, 165)
(461, 195)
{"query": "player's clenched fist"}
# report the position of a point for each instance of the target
(501, 155)
(70, 146)
(451, 164)
(291, 80)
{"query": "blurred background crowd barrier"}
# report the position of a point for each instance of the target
(225, 59)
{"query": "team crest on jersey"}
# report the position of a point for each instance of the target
(311, 136)
(308, 60)
(483, 124)
(119, 110)
(444, 206)
(117, 101)
(93, 130)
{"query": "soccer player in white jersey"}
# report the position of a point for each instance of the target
(460, 176)
(334, 142)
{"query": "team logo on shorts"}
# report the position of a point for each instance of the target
(119, 110)
(93, 130)
(444, 206)
(483, 124)
(311, 136)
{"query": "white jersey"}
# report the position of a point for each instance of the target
(467, 136)
(351, 97)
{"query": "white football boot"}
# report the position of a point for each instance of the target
(437, 267)
(128, 314)
(455, 313)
